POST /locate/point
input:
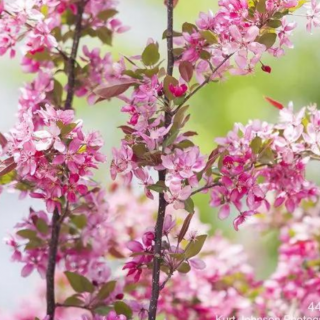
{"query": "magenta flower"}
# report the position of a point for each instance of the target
(179, 90)
(71, 157)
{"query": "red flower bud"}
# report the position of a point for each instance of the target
(119, 296)
(266, 68)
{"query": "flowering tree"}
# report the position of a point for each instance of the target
(258, 167)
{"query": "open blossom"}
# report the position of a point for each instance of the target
(179, 90)
(313, 15)
(177, 194)
(122, 162)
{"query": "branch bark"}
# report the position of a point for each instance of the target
(72, 59)
(162, 177)
(53, 248)
(56, 218)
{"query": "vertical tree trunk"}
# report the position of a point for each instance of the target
(162, 177)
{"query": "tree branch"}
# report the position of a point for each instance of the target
(52, 256)
(162, 177)
(205, 188)
(72, 59)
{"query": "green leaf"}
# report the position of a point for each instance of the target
(105, 35)
(34, 243)
(158, 187)
(266, 156)
(107, 14)
(7, 178)
(57, 92)
(42, 226)
(185, 144)
(268, 39)
(80, 221)
(261, 6)
(79, 283)
(209, 36)
(150, 55)
(174, 34)
(132, 74)
(171, 138)
(184, 268)
(189, 28)
(27, 234)
(186, 70)
(195, 247)
(122, 308)
(102, 310)
(189, 205)
(66, 129)
(40, 56)
(74, 300)
(255, 145)
(274, 24)
(205, 55)
(177, 52)
(68, 17)
(106, 289)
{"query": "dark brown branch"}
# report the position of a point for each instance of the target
(162, 177)
(72, 59)
(61, 305)
(52, 256)
(205, 188)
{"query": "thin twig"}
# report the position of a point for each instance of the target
(206, 188)
(174, 269)
(203, 84)
(61, 305)
(72, 59)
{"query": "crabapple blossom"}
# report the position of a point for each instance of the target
(258, 167)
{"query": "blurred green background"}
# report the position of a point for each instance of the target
(294, 77)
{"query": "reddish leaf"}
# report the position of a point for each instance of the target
(185, 227)
(275, 103)
(186, 70)
(114, 90)
(212, 158)
(3, 140)
(190, 134)
(7, 166)
(127, 129)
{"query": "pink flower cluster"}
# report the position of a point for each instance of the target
(260, 159)
(56, 161)
(244, 30)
